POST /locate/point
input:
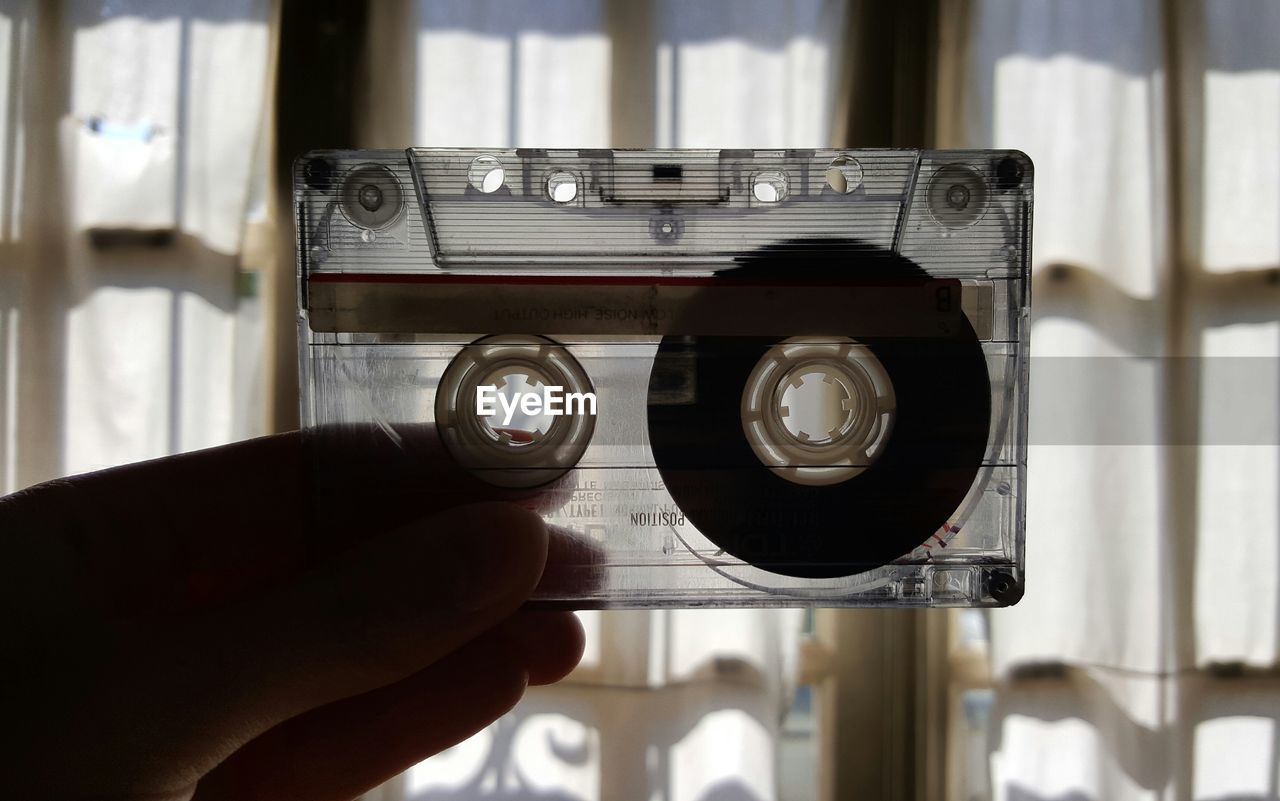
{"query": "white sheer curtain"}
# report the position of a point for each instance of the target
(1151, 551)
(1154, 530)
(132, 136)
(668, 705)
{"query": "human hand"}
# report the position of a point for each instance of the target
(180, 629)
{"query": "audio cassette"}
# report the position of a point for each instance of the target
(734, 377)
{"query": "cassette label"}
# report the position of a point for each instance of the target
(624, 305)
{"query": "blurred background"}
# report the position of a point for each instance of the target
(147, 307)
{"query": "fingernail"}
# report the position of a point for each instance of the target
(575, 566)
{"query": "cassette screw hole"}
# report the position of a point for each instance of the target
(486, 174)
(562, 187)
(769, 186)
(318, 173)
(1008, 173)
(665, 227)
(844, 174)
(370, 197)
(1003, 588)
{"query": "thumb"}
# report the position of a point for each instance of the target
(382, 612)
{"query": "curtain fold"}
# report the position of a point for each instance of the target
(1151, 547)
(132, 133)
(1079, 87)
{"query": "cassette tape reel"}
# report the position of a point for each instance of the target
(746, 378)
(887, 446)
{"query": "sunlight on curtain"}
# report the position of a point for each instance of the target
(137, 129)
(1078, 87)
(1235, 325)
(513, 74)
(746, 74)
(1152, 553)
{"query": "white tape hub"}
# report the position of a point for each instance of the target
(528, 446)
(818, 411)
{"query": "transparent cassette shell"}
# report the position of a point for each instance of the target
(417, 266)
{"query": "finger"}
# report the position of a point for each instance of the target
(198, 529)
(385, 611)
(381, 613)
(551, 643)
(346, 748)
